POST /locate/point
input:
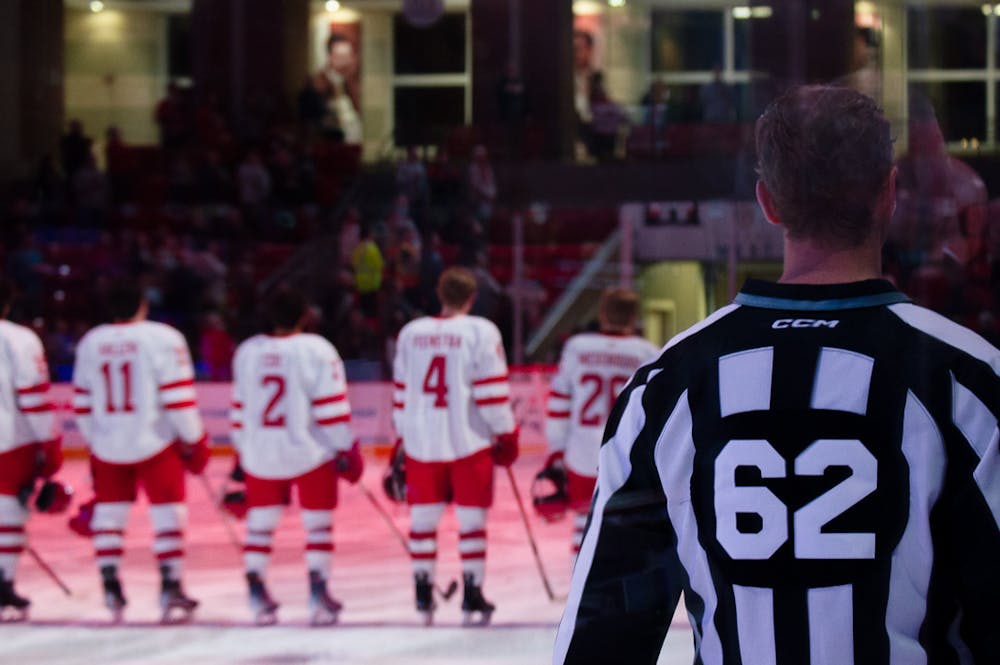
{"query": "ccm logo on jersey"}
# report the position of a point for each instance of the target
(781, 324)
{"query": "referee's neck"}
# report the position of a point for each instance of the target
(812, 262)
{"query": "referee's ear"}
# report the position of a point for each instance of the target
(767, 203)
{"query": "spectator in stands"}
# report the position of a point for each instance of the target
(170, 116)
(341, 72)
(350, 236)
(431, 267)
(608, 121)
(214, 182)
(116, 163)
(655, 112)
(716, 99)
(60, 348)
(254, 187)
(488, 290)
(368, 264)
(75, 147)
(216, 348)
(411, 182)
(584, 75)
(312, 104)
(92, 193)
(482, 185)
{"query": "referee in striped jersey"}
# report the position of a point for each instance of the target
(815, 466)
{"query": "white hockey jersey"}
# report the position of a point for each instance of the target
(134, 391)
(290, 411)
(592, 371)
(451, 389)
(26, 414)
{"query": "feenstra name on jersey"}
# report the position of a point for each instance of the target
(443, 341)
(611, 360)
(782, 324)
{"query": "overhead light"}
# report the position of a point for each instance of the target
(742, 12)
(987, 10)
(996, 10)
(587, 8)
(762, 11)
(332, 5)
(96, 6)
(616, 3)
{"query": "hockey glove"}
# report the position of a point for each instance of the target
(50, 457)
(394, 478)
(505, 448)
(237, 475)
(556, 461)
(349, 463)
(54, 497)
(195, 455)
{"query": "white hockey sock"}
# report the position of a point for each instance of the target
(168, 538)
(261, 523)
(109, 532)
(472, 541)
(579, 524)
(424, 520)
(12, 538)
(319, 539)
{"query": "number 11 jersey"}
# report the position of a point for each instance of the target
(134, 391)
(451, 389)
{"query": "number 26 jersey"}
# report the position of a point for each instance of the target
(451, 392)
(816, 469)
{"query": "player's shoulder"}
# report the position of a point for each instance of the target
(480, 325)
(930, 323)
(316, 344)
(159, 333)
(92, 336)
(17, 335)
(417, 325)
(248, 346)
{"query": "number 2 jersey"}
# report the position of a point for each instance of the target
(593, 369)
(290, 411)
(451, 389)
(816, 468)
(134, 391)
(26, 414)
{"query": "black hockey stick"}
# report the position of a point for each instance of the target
(531, 536)
(216, 502)
(48, 570)
(445, 593)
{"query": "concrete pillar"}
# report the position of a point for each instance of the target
(253, 53)
(31, 75)
(545, 42)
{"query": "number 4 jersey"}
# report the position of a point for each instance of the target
(290, 408)
(592, 371)
(451, 389)
(816, 469)
(134, 391)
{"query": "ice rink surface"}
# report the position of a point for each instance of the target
(370, 575)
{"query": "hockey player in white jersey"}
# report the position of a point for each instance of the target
(29, 445)
(290, 426)
(592, 371)
(451, 407)
(135, 406)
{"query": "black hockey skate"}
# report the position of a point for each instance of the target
(13, 608)
(265, 610)
(477, 611)
(425, 597)
(175, 606)
(114, 598)
(324, 610)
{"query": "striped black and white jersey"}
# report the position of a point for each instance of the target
(816, 469)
